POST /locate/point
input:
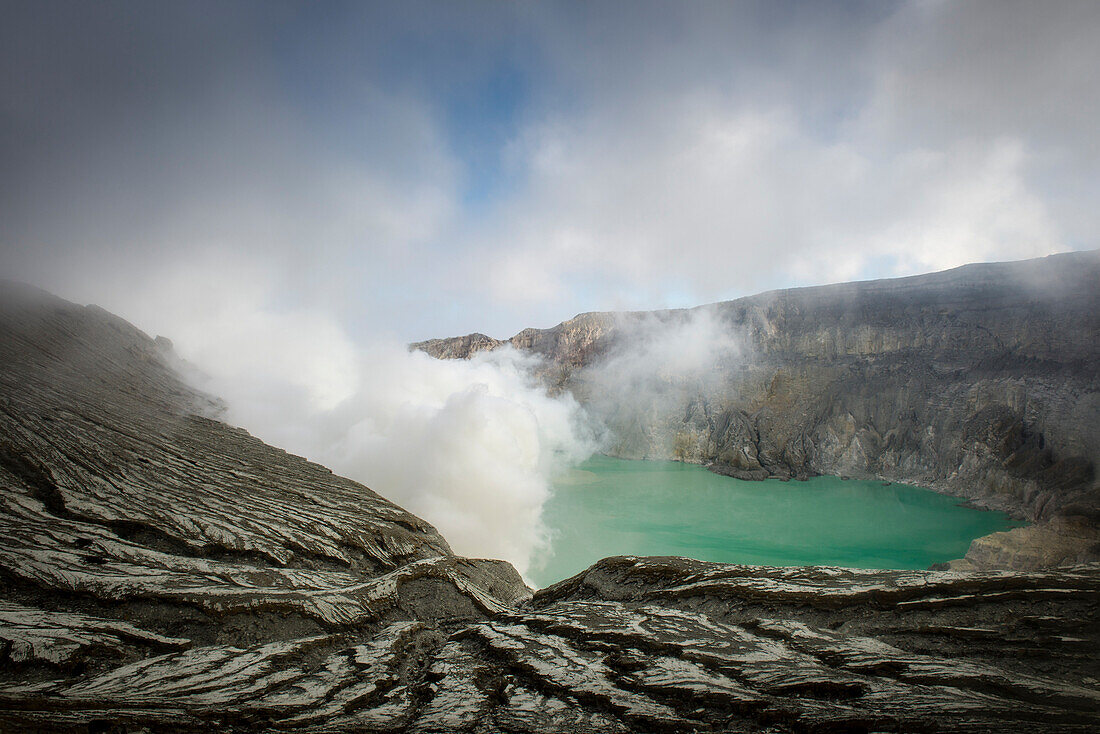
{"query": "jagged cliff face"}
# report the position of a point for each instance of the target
(982, 381)
(162, 571)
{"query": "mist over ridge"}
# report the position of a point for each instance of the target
(979, 381)
(472, 445)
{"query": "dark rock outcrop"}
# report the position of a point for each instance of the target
(982, 382)
(462, 347)
(161, 571)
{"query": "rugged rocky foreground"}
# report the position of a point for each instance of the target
(982, 382)
(161, 571)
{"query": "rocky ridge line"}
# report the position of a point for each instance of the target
(982, 382)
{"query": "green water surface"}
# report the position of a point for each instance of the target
(609, 507)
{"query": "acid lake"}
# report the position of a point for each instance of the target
(609, 507)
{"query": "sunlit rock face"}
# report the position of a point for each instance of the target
(161, 571)
(983, 382)
(1058, 542)
(461, 348)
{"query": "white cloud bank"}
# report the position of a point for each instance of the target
(715, 199)
(669, 155)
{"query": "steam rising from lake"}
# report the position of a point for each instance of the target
(669, 345)
(470, 446)
(657, 364)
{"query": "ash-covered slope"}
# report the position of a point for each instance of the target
(982, 381)
(162, 571)
(158, 469)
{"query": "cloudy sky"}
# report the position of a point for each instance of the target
(429, 169)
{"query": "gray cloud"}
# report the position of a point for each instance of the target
(664, 154)
(798, 146)
(945, 71)
(141, 138)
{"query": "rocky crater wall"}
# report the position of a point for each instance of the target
(982, 382)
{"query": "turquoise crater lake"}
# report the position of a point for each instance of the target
(608, 507)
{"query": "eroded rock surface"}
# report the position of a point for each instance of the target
(641, 645)
(161, 571)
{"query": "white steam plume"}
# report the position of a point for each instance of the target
(659, 364)
(470, 446)
(687, 345)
